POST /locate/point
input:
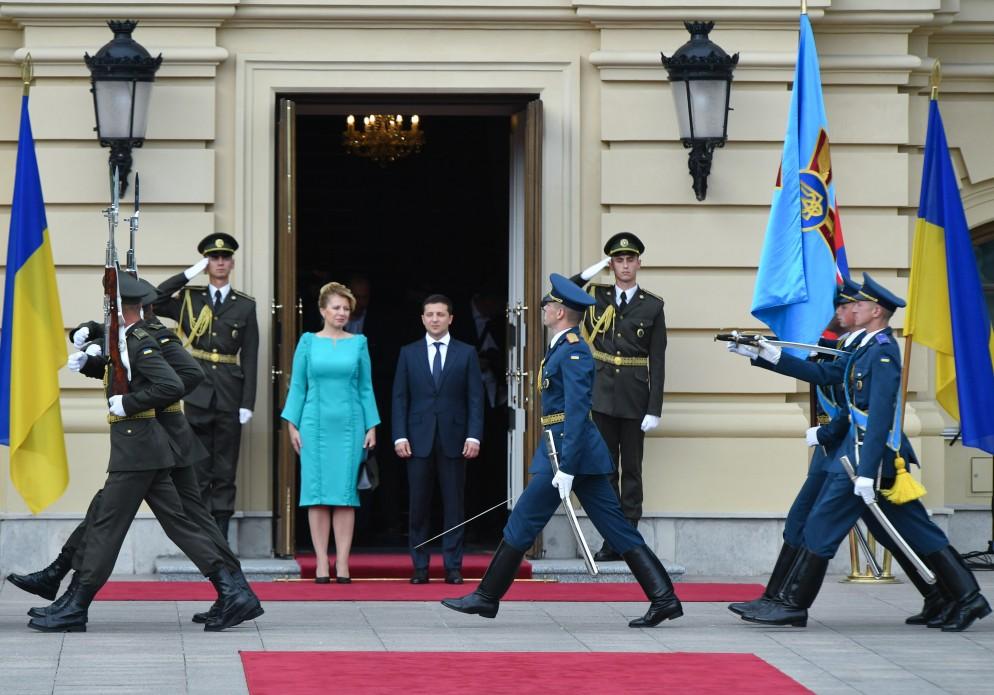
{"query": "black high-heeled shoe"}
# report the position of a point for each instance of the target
(322, 580)
(343, 580)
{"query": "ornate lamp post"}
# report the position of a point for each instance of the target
(700, 74)
(121, 75)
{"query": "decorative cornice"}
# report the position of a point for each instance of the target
(763, 59)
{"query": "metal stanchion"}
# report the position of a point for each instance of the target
(859, 575)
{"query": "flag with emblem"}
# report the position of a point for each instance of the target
(946, 307)
(803, 257)
(33, 343)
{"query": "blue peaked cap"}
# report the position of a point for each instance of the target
(847, 292)
(567, 293)
(873, 291)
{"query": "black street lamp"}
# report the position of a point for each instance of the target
(700, 75)
(121, 75)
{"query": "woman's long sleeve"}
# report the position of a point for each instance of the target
(371, 416)
(293, 409)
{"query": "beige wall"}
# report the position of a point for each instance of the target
(732, 437)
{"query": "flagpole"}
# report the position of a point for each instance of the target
(27, 73)
(804, 6)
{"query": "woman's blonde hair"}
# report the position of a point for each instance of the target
(336, 288)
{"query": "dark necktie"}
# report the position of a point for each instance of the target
(623, 304)
(217, 299)
(436, 364)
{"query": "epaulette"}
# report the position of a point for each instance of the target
(882, 338)
(572, 338)
(647, 293)
(154, 324)
(140, 333)
(243, 295)
(194, 288)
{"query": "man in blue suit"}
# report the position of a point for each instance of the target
(437, 425)
(566, 381)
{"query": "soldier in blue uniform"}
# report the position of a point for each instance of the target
(872, 380)
(566, 382)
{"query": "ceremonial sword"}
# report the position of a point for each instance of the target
(588, 557)
(753, 339)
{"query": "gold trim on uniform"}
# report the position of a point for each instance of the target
(619, 360)
(553, 419)
(214, 356)
(176, 407)
(143, 415)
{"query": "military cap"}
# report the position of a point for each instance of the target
(873, 291)
(218, 242)
(135, 291)
(624, 242)
(847, 292)
(568, 294)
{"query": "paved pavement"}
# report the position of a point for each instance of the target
(856, 641)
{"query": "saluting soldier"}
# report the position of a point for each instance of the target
(872, 379)
(219, 326)
(626, 331)
(566, 378)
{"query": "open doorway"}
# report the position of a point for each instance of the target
(442, 221)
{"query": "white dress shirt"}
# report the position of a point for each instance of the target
(629, 294)
(444, 348)
(212, 291)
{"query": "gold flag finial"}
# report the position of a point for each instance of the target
(935, 78)
(27, 73)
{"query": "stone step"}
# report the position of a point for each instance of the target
(265, 569)
(575, 571)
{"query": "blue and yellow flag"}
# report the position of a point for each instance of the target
(32, 344)
(946, 307)
(797, 274)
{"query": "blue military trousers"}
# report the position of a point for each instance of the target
(837, 509)
(797, 517)
(540, 500)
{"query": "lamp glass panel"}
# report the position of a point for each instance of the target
(114, 109)
(707, 99)
(679, 91)
(143, 94)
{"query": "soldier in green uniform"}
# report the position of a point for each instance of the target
(626, 331)
(142, 456)
(219, 326)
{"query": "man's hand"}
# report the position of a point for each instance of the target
(750, 351)
(80, 337)
(196, 269)
(770, 353)
(471, 449)
(649, 422)
(864, 488)
(116, 406)
(811, 436)
(595, 268)
(403, 448)
(564, 483)
(76, 361)
(244, 415)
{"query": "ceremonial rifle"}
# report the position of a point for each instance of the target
(132, 266)
(753, 340)
(118, 382)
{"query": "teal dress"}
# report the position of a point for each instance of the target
(331, 402)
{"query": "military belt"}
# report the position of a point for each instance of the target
(143, 415)
(619, 360)
(553, 419)
(214, 356)
(176, 407)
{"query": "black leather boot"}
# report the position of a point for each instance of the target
(70, 617)
(46, 582)
(956, 577)
(606, 554)
(780, 569)
(935, 599)
(236, 603)
(215, 608)
(41, 611)
(656, 583)
(796, 594)
(485, 601)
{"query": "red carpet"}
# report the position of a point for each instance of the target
(520, 673)
(398, 566)
(402, 590)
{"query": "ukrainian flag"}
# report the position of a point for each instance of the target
(32, 344)
(946, 307)
(797, 275)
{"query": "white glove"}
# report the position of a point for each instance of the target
(116, 405)
(79, 337)
(564, 482)
(94, 350)
(750, 351)
(650, 422)
(864, 488)
(811, 436)
(595, 268)
(196, 269)
(76, 361)
(770, 353)
(244, 415)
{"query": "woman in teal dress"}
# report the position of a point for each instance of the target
(333, 418)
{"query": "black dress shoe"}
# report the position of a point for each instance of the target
(453, 577)
(420, 577)
(343, 580)
(322, 580)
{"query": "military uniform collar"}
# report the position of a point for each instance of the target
(557, 336)
(850, 338)
(630, 292)
(868, 336)
(225, 291)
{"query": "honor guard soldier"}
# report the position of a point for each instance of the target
(218, 324)
(566, 380)
(626, 331)
(871, 376)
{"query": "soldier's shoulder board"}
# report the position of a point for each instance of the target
(140, 334)
(648, 294)
(195, 288)
(572, 338)
(243, 295)
(882, 338)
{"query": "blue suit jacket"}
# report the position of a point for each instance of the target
(454, 411)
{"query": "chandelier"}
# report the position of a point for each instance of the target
(382, 138)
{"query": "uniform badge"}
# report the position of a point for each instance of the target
(640, 332)
(545, 384)
(623, 243)
(234, 332)
(859, 384)
(572, 338)
(218, 243)
(574, 357)
(147, 351)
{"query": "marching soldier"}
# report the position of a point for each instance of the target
(566, 380)
(872, 379)
(219, 326)
(142, 455)
(626, 331)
